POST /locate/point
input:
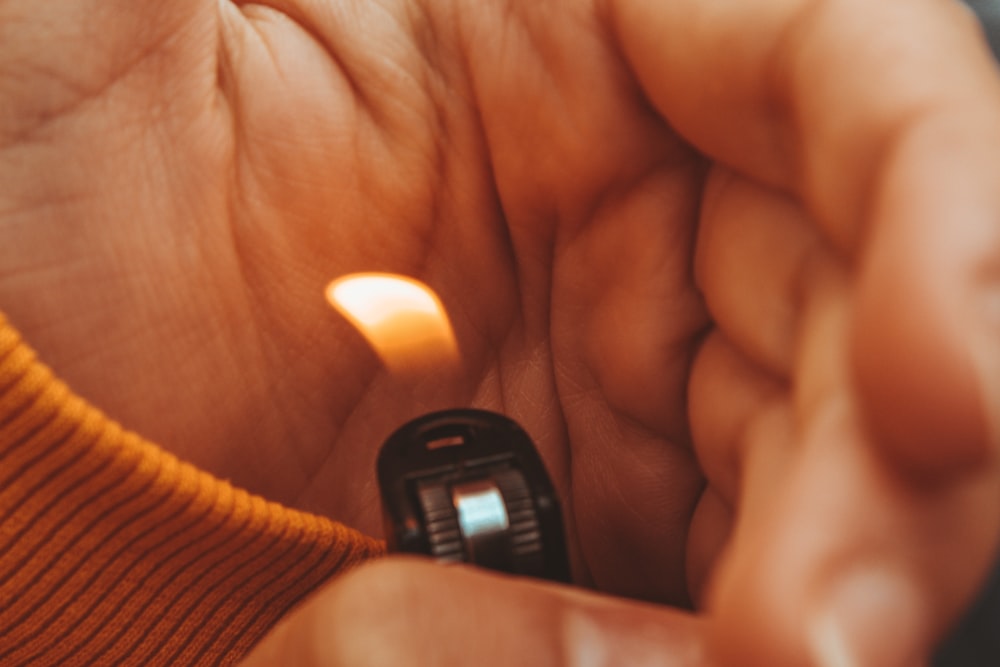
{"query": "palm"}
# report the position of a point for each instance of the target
(555, 220)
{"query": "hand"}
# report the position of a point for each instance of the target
(179, 195)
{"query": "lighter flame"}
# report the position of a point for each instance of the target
(401, 318)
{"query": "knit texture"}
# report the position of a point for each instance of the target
(113, 551)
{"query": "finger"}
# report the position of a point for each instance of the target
(898, 165)
(408, 612)
(753, 246)
(837, 571)
(741, 426)
(927, 323)
(774, 89)
(708, 536)
(726, 394)
(846, 562)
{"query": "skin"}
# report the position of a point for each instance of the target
(742, 296)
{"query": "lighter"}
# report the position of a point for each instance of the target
(468, 486)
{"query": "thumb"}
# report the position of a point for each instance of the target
(838, 558)
(414, 612)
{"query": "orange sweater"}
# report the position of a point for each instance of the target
(112, 551)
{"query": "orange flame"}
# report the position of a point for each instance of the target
(401, 318)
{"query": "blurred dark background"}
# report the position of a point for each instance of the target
(976, 641)
(989, 14)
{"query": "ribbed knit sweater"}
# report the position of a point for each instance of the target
(112, 551)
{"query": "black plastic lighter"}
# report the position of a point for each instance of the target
(468, 486)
